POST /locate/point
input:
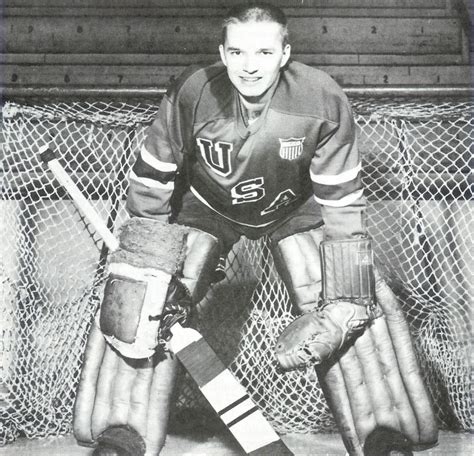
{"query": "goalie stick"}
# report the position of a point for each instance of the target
(222, 390)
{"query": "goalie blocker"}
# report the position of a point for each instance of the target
(354, 328)
(141, 273)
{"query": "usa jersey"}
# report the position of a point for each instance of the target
(303, 143)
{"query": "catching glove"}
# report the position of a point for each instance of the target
(347, 306)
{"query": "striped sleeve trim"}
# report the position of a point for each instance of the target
(344, 201)
(151, 183)
(336, 179)
(159, 165)
(336, 192)
(144, 170)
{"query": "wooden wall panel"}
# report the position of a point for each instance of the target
(111, 35)
(192, 35)
(228, 3)
(301, 11)
(375, 36)
(147, 43)
(92, 75)
(160, 76)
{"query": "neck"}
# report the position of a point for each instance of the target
(252, 104)
(252, 110)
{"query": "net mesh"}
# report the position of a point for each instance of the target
(416, 164)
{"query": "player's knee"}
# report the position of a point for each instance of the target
(201, 260)
(297, 260)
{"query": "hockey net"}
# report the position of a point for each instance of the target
(416, 164)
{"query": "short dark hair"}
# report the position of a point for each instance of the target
(258, 12)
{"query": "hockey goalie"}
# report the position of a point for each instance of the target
(264, 146)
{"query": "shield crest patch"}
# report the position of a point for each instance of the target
(291, 148)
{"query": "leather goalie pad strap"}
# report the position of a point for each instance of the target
(376, 383)
(118, 391)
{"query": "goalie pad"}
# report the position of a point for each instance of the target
(298, 262)
(117, 391)
(123, 393)
(375, 382)
(140, 271)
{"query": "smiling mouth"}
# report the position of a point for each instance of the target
(250, 79)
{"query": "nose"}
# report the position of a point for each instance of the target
(250, 65)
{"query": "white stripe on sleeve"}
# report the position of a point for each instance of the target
(336, 179)
(155, 163)
(344, 201)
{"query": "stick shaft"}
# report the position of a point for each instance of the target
(225, 394)
(84, 205)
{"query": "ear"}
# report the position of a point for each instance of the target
(286, 55)
(222, 54)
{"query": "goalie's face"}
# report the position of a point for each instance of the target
(254, 53)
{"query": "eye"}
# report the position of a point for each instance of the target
(267, 52)
(234, 52)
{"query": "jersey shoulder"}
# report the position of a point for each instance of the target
(308, 91)
(203, 89)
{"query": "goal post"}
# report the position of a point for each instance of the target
(416, 156)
